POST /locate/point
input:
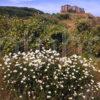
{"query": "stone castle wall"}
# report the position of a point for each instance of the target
(69, 8)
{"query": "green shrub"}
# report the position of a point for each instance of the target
(62, 16)
(83, 26)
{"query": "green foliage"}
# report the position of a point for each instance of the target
(19, 11)
(83, 25)
(20, 32)
(87, 38)
(46, 30)
(96, 30)
(62, 16)
(24, 34)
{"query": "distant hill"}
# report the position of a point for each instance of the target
(19, 11)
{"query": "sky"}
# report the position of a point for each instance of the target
(53, 6)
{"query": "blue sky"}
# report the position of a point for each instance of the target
(53, 6)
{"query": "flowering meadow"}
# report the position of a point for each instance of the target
(46, 75)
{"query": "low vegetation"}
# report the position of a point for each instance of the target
(65, 69)
(18, 11)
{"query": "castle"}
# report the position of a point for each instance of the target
(69, 8)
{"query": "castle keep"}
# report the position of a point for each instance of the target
(69, 8)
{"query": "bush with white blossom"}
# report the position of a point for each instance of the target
(46, 75)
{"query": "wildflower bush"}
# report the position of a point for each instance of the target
(42, 75)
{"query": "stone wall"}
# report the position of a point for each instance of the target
(69, 8)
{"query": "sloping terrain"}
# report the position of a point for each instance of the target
(19, 11)
(74, 18)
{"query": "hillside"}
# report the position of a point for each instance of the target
(71, 19)
(48, 56)
(19, 11)
(50, 28)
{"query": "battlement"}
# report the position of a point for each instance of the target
(74, 9)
